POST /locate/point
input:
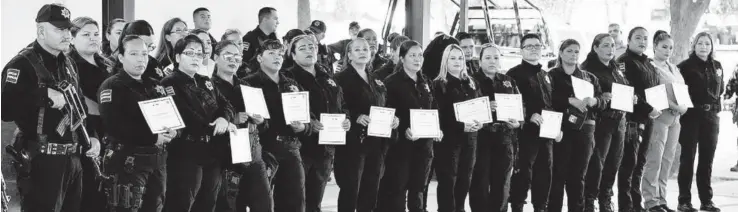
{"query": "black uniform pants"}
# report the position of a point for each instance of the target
(533, 169)
(699, 131)
(192, 186)
(249, 188)
(56, 183)
(490, 185)
(455, 163)
(605, 161)
(408, 167)
(571, 157)
(317, 172)
(145, 175)
(358, 170)
(289, 179)
(631, 168)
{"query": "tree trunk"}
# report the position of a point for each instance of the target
(685, 15)
(303, 14)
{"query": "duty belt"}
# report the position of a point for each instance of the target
(283, 138)
(204, 138)
(708, 107)
(58, 149)
(139, 149)
(612, 114)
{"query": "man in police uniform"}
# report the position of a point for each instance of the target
(325, 55)
(266, 30)
(33, 98)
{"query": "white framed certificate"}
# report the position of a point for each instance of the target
(296, 107)
(551, 126)
(474, 110)
(425, 123)
(681, 92)
(656, 97)
(622, 97)
(509, 106)
(161, 114)
(582, 88)
(333, 132)
(253, 100)
(241, 146)
(381, 121)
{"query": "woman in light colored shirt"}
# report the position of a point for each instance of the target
(666, 128)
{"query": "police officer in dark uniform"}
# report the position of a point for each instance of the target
(610, 129)
(359, 164)
(193, 163)
(325, 55)
(245, 184)
(409, 157)
(572, 154)
(390, 67)
(266, 30)
(93, 70)
(325, 97)
(136, 157)
(642, 75)
(700, 125)
(466, 41)
(534, 166)
(36, 86)
(281, 139)
(490, 185)
(144, 31)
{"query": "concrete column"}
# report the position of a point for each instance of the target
(113, 9)
(417, 20)
(464, 16)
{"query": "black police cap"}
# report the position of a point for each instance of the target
(56, 15)
(317, 26)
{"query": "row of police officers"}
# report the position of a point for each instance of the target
(493, 164)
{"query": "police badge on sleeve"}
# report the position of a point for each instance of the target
(12, 75)
(106, 96)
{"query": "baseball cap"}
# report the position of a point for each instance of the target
(317, 26)
(56, 15)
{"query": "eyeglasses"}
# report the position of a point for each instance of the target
(533, 47)
(194, 54)
(233, 57)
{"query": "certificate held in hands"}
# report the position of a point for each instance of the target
(240, 146)
(681, 92)
(474, 110)
(656, 97)
(551, 126)
(582, 89)
(296, 106)
(380, 124)
(622, 97)
(425, 123)
(333, 132)
(509, 107)
(161, 114)
(253, 100)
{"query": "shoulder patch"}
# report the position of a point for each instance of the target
(12, 75)
(246, 46)
(170, 90)
(621, 67)
(106, 96)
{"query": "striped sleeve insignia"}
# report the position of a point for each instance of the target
(12, 75)
(170, 90)
(106, 96)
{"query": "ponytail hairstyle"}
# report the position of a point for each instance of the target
(564, 44)
(138, 28)
(659, 36)
(632, 31)
(404, 48)
(444, 64)
(121, 50)
(592, 55)
(490, 46)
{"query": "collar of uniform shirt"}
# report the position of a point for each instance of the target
(643, 57)
(405, 76)
(528, 65)
(298, 72)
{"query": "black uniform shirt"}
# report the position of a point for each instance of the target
(325, 97)
(154, 70)
(473, 66)
(404, 93)
(326, 58)
(641, 75)
(232, 93)
(22, 97)
(252, 42)
(91, 76)
(120, 112)
(607, 75)
(385, 71)
(535, 85)
(273, 97)
(704, 78)
(447, 93)
(500, 84)
(360, 95)
(563, 89)
(198, 102)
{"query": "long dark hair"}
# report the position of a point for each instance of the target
(106, 49)
(592, 56)
(165, 50)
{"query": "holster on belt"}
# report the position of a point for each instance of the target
(634, 130)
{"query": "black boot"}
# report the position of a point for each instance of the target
(656, 209)
(686, 207)
(517, 207)
(710, 207)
